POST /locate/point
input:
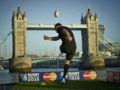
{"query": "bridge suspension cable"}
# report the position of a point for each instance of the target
(4, 46)
(108, 44)
(2, 40)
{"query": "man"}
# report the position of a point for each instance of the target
(68, 44)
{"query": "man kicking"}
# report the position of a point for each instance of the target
(68, 44)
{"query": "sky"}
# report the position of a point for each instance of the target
(42, 12)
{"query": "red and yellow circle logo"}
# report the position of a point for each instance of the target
(46, 76)
(89, 75)
(93, 75)
(86, 75)
(53, 76)
(50, 76)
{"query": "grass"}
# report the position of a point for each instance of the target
(69, 85)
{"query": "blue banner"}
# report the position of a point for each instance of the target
(49, 76)
(57, 76)
(71, 76)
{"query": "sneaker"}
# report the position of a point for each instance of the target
(63, 80)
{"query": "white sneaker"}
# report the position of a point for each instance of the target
(63, 80)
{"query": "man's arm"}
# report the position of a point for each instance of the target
(67, 34)
(51, 38)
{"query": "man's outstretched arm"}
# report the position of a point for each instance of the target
(51, 38)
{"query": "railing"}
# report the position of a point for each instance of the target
(44, 59)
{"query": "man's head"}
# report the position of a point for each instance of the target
(57, 25)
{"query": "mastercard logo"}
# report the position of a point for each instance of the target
(89, 75)
(50, 76)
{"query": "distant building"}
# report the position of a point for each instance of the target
(34, 56)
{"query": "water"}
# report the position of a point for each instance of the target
(6, 77)
(113, 69)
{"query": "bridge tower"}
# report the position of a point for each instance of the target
(19, 36)
(19, 25)
(90, 44)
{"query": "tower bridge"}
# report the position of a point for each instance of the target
(89, 28)
(52, 26)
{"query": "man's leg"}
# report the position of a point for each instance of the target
(69, 57)
(66, 67)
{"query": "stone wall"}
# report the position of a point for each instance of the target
(20, 65)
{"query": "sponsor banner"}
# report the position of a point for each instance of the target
(23, 77)
(29, 77)
(33, 77)
(49, 76)
(116, 77)
(71, 76)
(101, 75)
(55, 76)
(88, 75)
(42, 76)
(109, 76)
(82, 75)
